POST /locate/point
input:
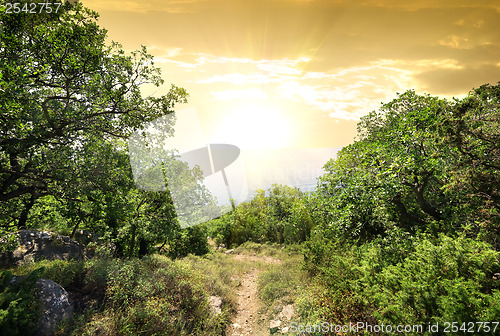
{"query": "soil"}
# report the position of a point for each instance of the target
(248, 319)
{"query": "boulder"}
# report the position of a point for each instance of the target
(37, 245)
(54, 305)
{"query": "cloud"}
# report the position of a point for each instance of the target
(428, 4)
(474, 23)
(346, 93)
(456, 42)
(457, 81)
(252, 93)
(169, 6)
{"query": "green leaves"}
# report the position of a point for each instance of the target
(61, 86)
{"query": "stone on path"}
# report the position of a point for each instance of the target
(274, 326)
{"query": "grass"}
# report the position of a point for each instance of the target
(159, 296)
(149, 296)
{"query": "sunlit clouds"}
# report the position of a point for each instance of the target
(347, 93)
(317, 66)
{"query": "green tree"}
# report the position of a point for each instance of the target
(63, 91)
(473, 128)
(392, 175)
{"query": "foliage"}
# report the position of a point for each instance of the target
(438, 280)
(392, 176)
(68, 274)
(394, 209)
(192, 240)
(282, 216)
(18, 310)
(281, 283)
(68, 102)
(421, 164)
(155, 296)
(473, 128)
(8, 241)
(446, 280)
(62, 87)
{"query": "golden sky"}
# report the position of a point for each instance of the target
(300, 73)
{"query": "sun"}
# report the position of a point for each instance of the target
(254, 126)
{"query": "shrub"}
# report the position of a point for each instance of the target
(154, 296)
(66, 273)
(192, 240)
(18, 310)
(446, 280)
(432, 280)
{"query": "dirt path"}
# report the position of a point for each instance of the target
(248, 319)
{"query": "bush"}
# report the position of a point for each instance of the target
(18, 310)
(433, 280)
(8, 241)
(281, 217)
(66, 273)
(154, 296)
(192, 240)
(446, 280)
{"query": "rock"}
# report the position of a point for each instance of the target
(37, 245)
(236, 326)
(287, 312)
(274, 326)
(215, 303)
(284, 330)
(54, 305)
(231, 251)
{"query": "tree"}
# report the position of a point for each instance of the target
(472, 127)
(391, 176)
(63, 89)
(405, 131)
(420, 164)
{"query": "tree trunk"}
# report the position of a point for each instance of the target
(23, 218)
(143, 247)
(132, 241)
(406, 219)
(75, 228)
(419, 189)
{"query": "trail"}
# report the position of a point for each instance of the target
(248, 319)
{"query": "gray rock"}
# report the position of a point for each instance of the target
(215, 303)
(231, 251)
(37, 245)
(54, 305)
(287, 312)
